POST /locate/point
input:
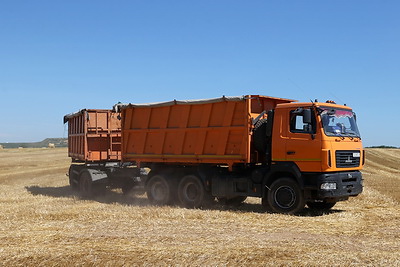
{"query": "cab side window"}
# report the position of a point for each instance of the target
(298, 123)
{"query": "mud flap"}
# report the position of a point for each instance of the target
(98, 176)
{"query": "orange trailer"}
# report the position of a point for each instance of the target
(94, 135)
(94, 145)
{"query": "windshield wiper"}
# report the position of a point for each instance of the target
(340, 135)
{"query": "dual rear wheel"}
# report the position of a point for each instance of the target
(190, 192)
(284, 195)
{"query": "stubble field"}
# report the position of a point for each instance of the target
(44, 223)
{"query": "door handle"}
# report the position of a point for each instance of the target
(290, 152)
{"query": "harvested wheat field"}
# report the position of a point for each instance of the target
(43, 223)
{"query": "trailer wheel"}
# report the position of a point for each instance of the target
(321, 205)
(158, 190)
(191, 192)
(285, 196)
(73, 179)
(86, 187)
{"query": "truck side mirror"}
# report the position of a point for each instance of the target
(307, 116)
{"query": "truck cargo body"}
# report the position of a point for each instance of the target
(214, 131)
(232, 148)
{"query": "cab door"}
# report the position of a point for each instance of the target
(302, 142)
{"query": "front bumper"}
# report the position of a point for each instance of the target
(347, 184)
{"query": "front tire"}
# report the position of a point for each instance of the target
(285, 196)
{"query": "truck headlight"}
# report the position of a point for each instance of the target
(328, 186)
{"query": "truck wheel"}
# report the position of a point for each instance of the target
(73, 179)
(86, 187)
(321, 205)
(191, 192)
(158, 190)
(285, 196)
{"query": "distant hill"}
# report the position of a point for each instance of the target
(58, 142)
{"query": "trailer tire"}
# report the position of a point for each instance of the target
(285, 196)
(158, 190)
(321, 206)
(73, 179)
(86, 187)
(192, 193)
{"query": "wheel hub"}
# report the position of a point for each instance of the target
(158, 191)
(191, 192)
(285, 197)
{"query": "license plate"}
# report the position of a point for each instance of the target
(356, 155)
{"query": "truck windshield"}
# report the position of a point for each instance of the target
(339, 122)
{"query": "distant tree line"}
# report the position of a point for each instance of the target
(382, 146)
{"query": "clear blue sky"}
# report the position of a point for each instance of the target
(57, 57)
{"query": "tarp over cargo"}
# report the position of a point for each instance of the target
(119, 106)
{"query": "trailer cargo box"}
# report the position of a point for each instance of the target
(94, 135)
(215, 131)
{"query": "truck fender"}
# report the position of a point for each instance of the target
(96, 175)
(283, 169)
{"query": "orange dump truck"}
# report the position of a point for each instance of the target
(289, 154)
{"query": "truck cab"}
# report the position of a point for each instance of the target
(322, 143)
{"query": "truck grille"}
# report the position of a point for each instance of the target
(347, 158)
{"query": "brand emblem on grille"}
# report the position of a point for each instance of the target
(348, 160)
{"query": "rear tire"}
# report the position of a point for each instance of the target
(192, 194)
(285, 196)
(158, 190)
